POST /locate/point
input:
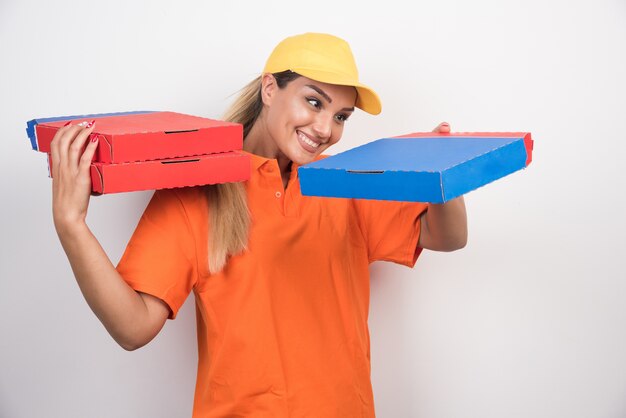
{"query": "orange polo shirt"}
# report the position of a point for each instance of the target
(282, 330)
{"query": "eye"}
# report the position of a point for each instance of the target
(314, 102)
(342, 117)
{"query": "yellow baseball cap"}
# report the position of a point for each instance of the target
(325, 58)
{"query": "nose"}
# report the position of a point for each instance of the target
(322, 126)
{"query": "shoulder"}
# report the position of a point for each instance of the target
(190, 196)
(186, 202)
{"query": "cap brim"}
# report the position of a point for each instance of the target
(367, 99)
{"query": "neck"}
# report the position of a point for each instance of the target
(258, 142)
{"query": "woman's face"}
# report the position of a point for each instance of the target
(306, 117)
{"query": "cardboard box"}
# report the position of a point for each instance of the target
(170, 173)
(143, 136)
(200, 170)
(418, 167)
(31, 124)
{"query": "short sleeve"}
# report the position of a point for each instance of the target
(160, 258)
(391, 229)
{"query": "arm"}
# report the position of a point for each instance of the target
(444, 226)
(132, 318)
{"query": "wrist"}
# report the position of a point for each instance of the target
(68, 228)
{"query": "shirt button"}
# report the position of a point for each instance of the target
(278, 194)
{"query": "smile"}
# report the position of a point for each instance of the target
(307, 141)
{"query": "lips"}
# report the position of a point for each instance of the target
(307, 143)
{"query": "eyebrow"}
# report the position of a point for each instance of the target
(327, 97)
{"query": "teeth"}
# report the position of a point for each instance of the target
(306, 140)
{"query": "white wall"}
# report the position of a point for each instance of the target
(527, 321)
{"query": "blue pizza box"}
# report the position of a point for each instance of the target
(419, 167)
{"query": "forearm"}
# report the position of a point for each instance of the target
(444, 226)
(119, 307)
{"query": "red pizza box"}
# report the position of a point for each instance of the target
(199, 170)
(227, 167)
(143, 136)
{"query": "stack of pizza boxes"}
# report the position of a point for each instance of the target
(154, 150)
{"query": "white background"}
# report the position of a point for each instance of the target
(528, 321)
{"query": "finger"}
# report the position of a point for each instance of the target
(64, 142)
(442, 128)
(60, 132)
(87, 157)
(54, 146)
(77, 146)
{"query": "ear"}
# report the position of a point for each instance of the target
(268, 88)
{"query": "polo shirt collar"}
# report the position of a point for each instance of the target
(257, 161)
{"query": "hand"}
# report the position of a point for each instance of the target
(442, 128)
(71, 179)
(444, 225)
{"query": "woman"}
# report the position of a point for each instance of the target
(281, 281)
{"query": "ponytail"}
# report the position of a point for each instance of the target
(229, 216)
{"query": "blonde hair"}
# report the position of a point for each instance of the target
(229, 217)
